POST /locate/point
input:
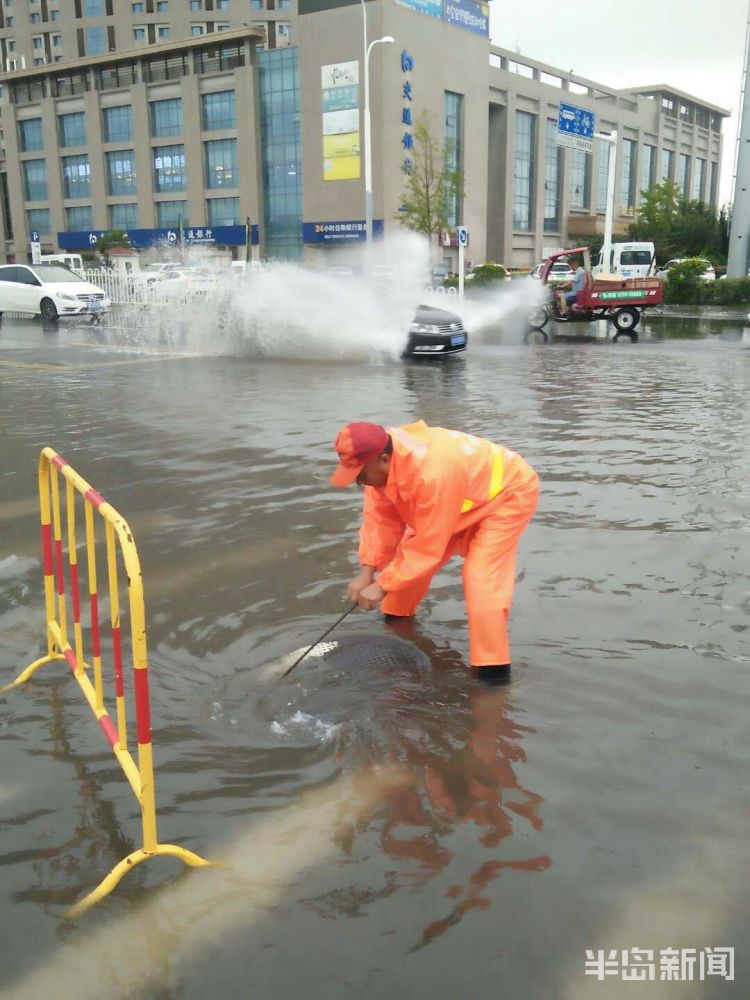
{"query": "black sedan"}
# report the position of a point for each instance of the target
(435, 333)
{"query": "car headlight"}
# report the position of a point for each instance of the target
(68, 298)
(424, 328)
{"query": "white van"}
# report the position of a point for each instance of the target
(629, 260)
(71, 260)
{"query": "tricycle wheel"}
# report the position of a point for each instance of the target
(626, 319)
(538, 317)
(535, 336)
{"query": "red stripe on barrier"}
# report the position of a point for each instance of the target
(47, 549)
(59, 564)
(76, 596)
(59, 461)
(142, 706)
(109, 730)
(96, 648)
(117, 650)
(70, 656)
(95, 498)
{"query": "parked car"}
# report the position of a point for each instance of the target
(435, 333)
(473, 272)
(560, 271)
(709, 274)
(183, 282)
(49, 290)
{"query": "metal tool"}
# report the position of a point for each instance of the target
(337, 622)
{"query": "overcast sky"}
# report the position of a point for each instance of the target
(695, 45)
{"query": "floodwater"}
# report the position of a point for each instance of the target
(397, 831)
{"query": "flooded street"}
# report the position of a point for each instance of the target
(387, 830)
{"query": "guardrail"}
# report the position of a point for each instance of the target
(118, 536)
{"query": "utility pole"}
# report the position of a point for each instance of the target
(739, 230)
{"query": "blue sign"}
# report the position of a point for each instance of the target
(34, 235)
(468, 14)
(336, 232)
(433, 8)
(463, 236)
(576, 121)
(141, 238)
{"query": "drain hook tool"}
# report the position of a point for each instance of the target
(337, 622)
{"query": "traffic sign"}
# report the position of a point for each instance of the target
(575, 127)
(463, 236)
(34, 236)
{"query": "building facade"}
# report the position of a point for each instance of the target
(223, 118)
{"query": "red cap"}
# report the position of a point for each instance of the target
(356, 444)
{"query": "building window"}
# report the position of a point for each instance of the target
(93, 8)
(684, 174)
(139, 34)
(10, 22)
(35, 178)
(196, 4)
(123, 216)
(221, 163)
(39, 60)
(604, 151)
(138, 8)
(169, 168)
(30, 135)
(222, 4)
(163, 31)
(197, 29)
(72, 129)
(281, 153)
(667, 164)
(221, 26)
(37, 219)
(552, 180)
(35, 18)
(96, 40)
(162, 6)
(283, 33)
(171, 213)
(219, 60)
(648, 159)
(284, 5)
(223, 211)
(627, 175)
(54, 15)
(76, 176)
(257, 5)
(121, 172)
(78, 218)
(454, 148)
(219, 111)
(712, 182)
(166, 117)
(523, 173)
(580, 179)
(699, 178)
(37, 42)
(57, 40)
(118, 124)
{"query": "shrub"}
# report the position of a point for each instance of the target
(683, 285)
(486, 274)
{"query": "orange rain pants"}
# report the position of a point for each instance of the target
(486, 533)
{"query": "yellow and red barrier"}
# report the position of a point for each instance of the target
(118, 536)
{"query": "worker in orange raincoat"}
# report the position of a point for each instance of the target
(430, 494)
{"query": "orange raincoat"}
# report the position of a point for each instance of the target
(450, 494)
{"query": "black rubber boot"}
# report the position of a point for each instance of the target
(493, 675)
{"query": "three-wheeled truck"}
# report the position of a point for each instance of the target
(604, 296)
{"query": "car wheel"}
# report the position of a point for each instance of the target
(626, 319)
(48, 310)
(536, 336)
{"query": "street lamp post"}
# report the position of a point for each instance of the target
(367, 49)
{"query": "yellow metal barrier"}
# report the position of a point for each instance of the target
(117, 534)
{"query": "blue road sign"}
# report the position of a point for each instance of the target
(576, 121)
(463, 236)
(34, 236)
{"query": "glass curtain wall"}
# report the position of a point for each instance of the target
(580, 179)
(647, 167)
(454, 148)
(667, 164)
(699, 179)
(684, 174)
(627, 176)
(282, 153)
(603, 149)
(552, 180)
(523, 175)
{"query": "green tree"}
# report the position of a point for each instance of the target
(657, 213)
(112, 238)
(679, 227)
(432, 185)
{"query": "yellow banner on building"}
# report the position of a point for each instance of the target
(341, 168)
(341, 145)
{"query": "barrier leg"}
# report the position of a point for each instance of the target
(31, 669)
(127, 864)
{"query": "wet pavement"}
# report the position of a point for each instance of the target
(398, 830)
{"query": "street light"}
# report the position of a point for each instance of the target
(367, 49)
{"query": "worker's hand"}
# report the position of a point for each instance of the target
(363, 579)
(371, 596)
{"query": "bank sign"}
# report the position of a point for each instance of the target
(462, 13)
(338, 232)
(141, 238)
